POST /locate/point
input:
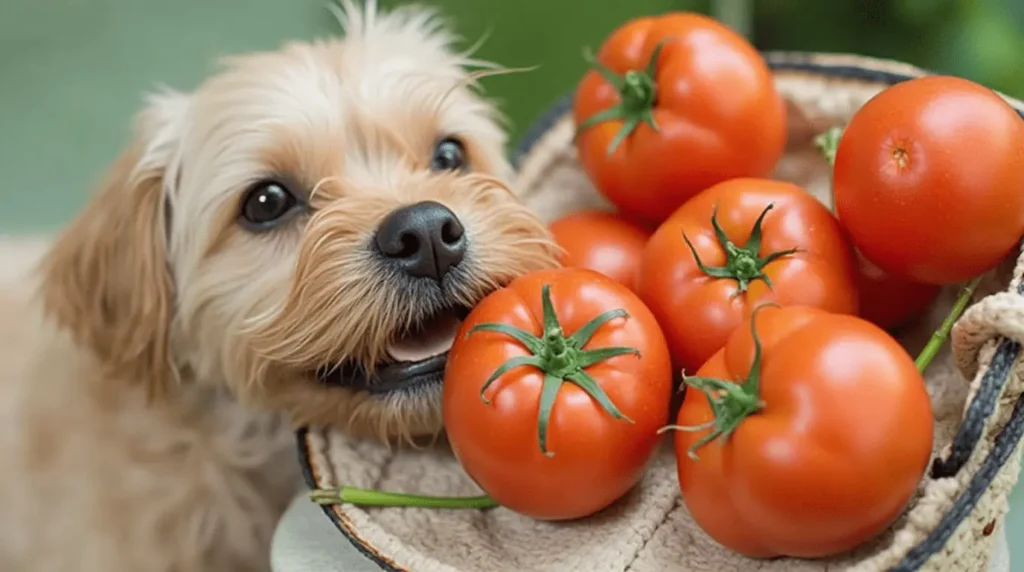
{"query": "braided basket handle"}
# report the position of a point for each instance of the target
(993, 326)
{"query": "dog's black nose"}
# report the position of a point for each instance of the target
(425, 240)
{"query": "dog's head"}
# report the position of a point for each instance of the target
(307, 227)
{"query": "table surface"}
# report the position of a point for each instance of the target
(307, 541)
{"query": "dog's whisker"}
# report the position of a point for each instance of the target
(468, 53)
(319, 184)
(472, 79)
(485, 73)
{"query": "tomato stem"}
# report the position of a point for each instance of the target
(730, 402)
(369, 497)
(931, 349)
(828, 142)
(638, 93)
(561, 358)
(744, 264)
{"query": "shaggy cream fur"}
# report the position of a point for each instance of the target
(156, 355)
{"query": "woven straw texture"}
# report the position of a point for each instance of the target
(974, 384)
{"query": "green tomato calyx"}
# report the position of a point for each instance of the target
(638, 94)
(561, 358)
(730, 402)
(828, 143)
(744, 264)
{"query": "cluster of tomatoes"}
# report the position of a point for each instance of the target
(804, 427)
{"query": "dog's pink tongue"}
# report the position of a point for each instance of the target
(435, 337)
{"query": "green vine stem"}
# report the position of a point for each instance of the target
(367, 497)
(561, 358)
(637, 98)
(939, 337)
(744, 264)
(828, 143)
(730, 402)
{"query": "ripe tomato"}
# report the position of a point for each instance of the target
(554, 392)
(601, 241)
(659, 124)
(819, 447)
(704, 269)
(928, 181)
(890, 301)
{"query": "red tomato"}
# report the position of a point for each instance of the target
(603, 242)
(795, 254)
(829, 435)
(657, 128)
(889, 301)
(554, 392)
(928, 179)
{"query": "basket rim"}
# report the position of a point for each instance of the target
(858, 68)
(842, 66)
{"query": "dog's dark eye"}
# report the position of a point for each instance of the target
(266, 203)
(449, 155)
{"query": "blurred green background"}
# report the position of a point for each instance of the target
(72, 72)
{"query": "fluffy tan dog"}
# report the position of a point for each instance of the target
(292, 243)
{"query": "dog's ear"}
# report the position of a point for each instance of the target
(107, 278)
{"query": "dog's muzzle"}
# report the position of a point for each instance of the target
(423, 245)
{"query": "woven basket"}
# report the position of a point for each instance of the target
(975, 387)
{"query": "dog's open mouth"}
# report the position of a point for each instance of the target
(416, 358)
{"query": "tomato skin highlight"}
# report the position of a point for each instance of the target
(603, 242)
(834, 455)
(698, 312)
(913, 202)
(595, 458)
(714, 102)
